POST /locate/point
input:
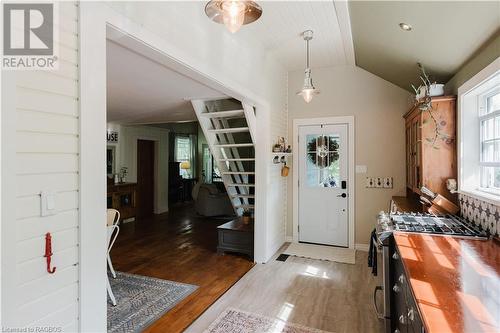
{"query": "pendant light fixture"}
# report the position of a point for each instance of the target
(233, 13)
(308, 90)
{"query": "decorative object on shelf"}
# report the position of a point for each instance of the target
(423, 97)
(279, 147)
(324, 151)
(246, 217)
(48, 253)
(308, 89)
(123, 174)
(116, 178)
(288, 149)
(233, 13)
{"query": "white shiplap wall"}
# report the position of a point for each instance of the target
(47, 158)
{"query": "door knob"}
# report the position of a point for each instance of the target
(343, 195)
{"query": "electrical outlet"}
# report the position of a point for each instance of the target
(379, 182)
(388, 182)
(369, 182)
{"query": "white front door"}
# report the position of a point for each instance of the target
(323, 184)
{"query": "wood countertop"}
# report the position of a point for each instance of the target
(455, 281)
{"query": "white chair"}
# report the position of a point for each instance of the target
(113, 229)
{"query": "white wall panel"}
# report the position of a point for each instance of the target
(31, 142)
(37, 100)
(37, 163)
(46, 116)
(32, 269)
(29, 207)
(58, 182)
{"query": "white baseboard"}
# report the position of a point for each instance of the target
(362, 247)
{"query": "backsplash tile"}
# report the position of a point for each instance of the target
(480, 213)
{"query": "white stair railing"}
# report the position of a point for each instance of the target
(225, 149)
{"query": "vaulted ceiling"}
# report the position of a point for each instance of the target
(365, 33)
(444, 35)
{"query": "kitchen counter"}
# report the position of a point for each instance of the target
(455, 281)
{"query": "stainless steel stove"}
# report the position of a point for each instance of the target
(387, 224)
(450, 225)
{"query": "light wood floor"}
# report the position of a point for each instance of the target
(324, 295)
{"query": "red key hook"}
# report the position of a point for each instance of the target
(48, 252)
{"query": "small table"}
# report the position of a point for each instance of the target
(235, 236)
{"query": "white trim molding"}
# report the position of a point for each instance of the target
(99, 22)
(349, 120)
(468, 132)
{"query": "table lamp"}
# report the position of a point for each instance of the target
(186, 165)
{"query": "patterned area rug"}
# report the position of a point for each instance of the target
(141, 300)
(232, 321)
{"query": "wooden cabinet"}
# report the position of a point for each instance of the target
(431, 156)
(122, 197)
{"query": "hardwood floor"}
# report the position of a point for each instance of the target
(179, 246)
(325, 295)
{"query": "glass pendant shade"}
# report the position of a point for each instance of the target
(308, 90)
(233, 13)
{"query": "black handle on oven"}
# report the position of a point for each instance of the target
(377, 289)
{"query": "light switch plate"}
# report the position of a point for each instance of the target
(369, 182)
(47, 203)
(361, 169)
(388, 182)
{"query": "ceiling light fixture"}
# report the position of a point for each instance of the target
(405, 26)
(233, 13)
(308, 90)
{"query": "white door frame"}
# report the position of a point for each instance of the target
(99, 22)
(349, 120)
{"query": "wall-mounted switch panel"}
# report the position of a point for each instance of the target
(369, 182)
(388, 182)
(47, 203)
(378, 182)
(361, 169)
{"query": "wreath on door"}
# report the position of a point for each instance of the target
(323, 151)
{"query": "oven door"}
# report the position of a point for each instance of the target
(384, 311)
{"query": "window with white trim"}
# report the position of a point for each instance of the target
(479, 133)
(489, 120)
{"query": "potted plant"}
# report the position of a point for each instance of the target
(246, 217)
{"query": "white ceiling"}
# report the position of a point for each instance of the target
(281, 24)
(140, 90)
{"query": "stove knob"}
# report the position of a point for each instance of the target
(396, 288)
(395, 256)
(402, 279)
(397, 331)
(402, 319)
(411, 314)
